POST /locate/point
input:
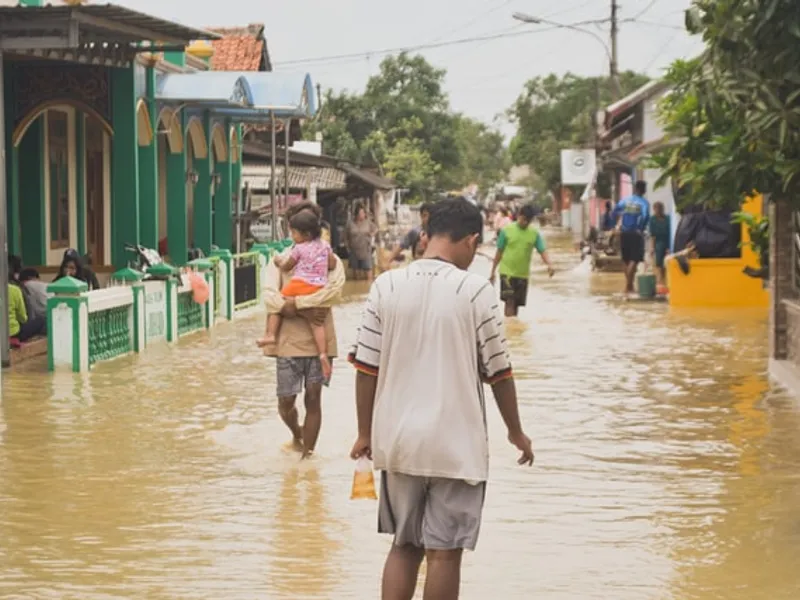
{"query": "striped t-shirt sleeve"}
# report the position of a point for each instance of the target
(495, 362)
(365, 355)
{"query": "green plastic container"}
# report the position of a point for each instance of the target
(647, 285)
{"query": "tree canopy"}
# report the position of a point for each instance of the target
(554, 113)
(403, 122)
(734, 112)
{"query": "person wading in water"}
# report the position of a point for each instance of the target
(295, 350)
(427, 433)
(515, 245)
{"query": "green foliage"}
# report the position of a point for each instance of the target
(758, 228)
(403, 123)
(734, 113)
(555, 113)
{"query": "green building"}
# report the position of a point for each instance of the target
(115, 134)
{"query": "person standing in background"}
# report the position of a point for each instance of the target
(660, 233)
(360, 235)
(632, 215)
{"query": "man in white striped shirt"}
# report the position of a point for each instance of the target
(431, 335)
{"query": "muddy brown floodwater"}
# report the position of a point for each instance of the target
(666, 467)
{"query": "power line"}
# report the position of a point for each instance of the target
(646, 9)
(473, 20)
(413, 48)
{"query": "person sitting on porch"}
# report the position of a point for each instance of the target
(20, 327)
(72, 266)
(608, 222)
(35, 291)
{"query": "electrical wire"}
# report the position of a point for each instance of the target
(414, 48)
(646, 9)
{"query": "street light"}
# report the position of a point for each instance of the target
(525, 18)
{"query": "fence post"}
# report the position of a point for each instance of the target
(68, 325)
(225, 273)
(264, 253)
(133, 279)
(168, 272)
(206, 268)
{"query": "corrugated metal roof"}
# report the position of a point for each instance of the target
(125, 24)
(258, 177)
(221, 88)
(288, 95)
(371, 179)
(643, 93)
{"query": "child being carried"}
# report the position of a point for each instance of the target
(311, 258)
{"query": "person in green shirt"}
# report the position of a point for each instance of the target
(19, 325)
(515, 245)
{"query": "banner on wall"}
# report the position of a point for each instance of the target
(577, 166)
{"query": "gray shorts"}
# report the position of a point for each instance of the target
(295, 373)
(430, 512)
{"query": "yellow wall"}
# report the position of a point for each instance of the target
(720, 282)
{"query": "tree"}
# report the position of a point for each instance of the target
(734, 112)
(403, 123)
(554, 113)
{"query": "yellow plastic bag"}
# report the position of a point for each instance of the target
(363, 481)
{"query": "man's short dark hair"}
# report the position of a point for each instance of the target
(28, 274)
(528, 211)
(640, 187)
(456, 218)
(426, 207)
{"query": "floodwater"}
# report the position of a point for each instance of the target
(666, 468)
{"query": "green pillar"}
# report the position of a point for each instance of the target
(177, 232)
(80, 187)
(124, 165)
(236, 186)
(223, 206)
(202, 193)
(12, 164)
(148, 172)
(30, 156)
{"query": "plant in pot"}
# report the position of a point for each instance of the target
(758, 228)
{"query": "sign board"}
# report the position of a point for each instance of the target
(155, 310)
(577, 167)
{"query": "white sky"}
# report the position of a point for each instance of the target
(483, 78)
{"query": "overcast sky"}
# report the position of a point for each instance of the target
(483, 78)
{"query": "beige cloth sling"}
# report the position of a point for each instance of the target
(294, 337)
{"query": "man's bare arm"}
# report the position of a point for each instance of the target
(505, 395)
(498, 256)
(366, 386)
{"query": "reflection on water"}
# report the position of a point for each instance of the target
(666, 467)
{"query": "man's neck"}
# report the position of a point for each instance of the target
(439, 248)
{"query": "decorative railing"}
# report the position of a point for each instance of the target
(190, 313)
(88, 327)
(246, 280)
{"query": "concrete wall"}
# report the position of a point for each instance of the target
(784, 314)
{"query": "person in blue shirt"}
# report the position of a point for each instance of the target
(632, 215)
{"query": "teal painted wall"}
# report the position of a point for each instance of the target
(31, 194)
(124, 166)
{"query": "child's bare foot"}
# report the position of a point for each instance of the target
(265, 341)
(327, 369)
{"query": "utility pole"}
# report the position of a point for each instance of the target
(616, 88)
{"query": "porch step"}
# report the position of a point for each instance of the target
(35, 348)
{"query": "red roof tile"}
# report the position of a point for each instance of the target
(240, 49)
